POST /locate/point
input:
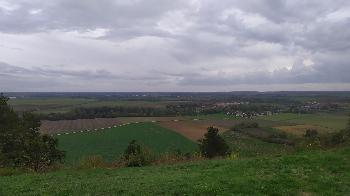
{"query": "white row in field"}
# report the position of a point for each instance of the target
(109, 127)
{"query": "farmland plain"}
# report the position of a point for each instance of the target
(326, 120)
(63, 126)
(62, 105)
(110, 143)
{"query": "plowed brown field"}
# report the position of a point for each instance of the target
(193, 130)
(51, 127)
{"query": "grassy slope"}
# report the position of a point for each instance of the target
(110, 143)
(247, 146)
(312, 173)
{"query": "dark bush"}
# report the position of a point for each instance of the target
(311, 139)
(213, 144)
(137, 155)
(243, 125)
(311, 133)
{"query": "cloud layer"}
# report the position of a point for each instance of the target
(174, 45)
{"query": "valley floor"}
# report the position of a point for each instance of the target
(304, 173)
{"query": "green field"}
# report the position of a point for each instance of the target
(48, 101)
(111, 143)
(327, 120)
(48, 105)
(308, 173)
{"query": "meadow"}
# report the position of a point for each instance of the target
(326, 120)
(304, 173)
(110, 143)
(290, 123)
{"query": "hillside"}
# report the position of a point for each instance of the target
(305, 173)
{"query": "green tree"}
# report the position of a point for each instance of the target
(136, 155)
(21, 144)
(213, 144)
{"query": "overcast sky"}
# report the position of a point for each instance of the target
(174, 45)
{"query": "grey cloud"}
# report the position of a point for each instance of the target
(82, 15)
(50, 72)
(323, 73)
(260, 37)
(16, 71)
(15, 78)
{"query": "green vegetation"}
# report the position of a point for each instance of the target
(328, 120)
(334, 121)
(247, 146)
(308, 173)
(213, 144)
(49, 101)
(111, 143)
(137, 155)
(21, 144)
(48, 105)
(217, 116)
(249, 139)
(64, 105)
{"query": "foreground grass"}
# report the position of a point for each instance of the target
(310, 173)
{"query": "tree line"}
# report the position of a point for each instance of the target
(187, 109)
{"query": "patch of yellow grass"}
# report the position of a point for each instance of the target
(299, 130)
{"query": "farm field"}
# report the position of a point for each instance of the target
(299, 130)
(194, 127)
(111, 143)
(129, 103)
(61, 105)
(193, 130)
(47, 105)
(326, 120)
(305, 173)
(295, 124)
(150, 119)
(53, 127)
(62, 126)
